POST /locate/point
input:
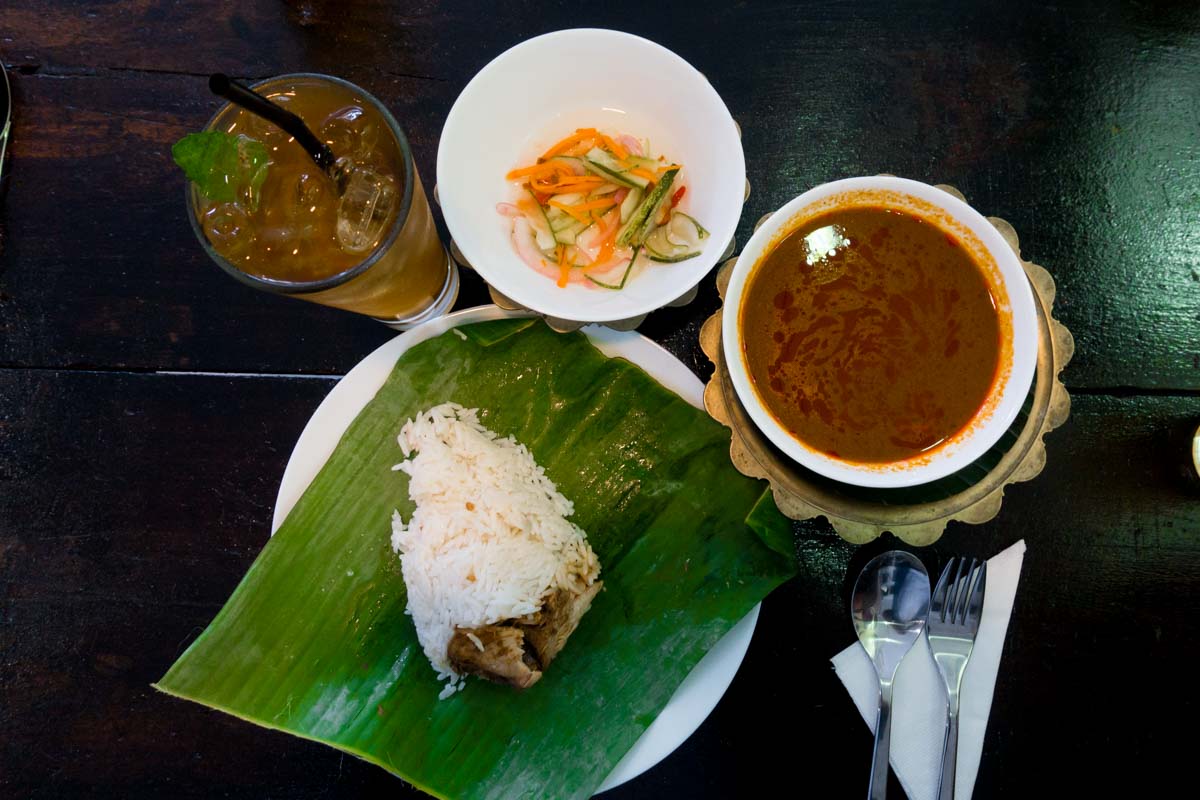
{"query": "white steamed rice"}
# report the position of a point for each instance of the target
(489, 538)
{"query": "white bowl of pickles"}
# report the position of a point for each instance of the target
(587, 192)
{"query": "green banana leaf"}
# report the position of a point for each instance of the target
(315, 640)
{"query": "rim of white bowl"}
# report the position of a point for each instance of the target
(697, 268)
(1006, 396)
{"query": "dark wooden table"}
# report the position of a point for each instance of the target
(148, 403)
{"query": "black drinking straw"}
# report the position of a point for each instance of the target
(222, 86)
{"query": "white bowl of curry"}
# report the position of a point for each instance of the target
(880, 332)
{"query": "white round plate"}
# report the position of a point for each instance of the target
(696, 697)
(541, 90)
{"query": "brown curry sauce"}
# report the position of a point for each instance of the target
(870, 334)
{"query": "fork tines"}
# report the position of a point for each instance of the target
(958, 599)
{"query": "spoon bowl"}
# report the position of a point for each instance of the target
(889, 606)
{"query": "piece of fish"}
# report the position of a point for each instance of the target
(517, 651)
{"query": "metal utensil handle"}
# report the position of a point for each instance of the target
(5, 112)
(949, 759)
(883, 745)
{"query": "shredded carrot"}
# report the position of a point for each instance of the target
(584, 182)
(617, 149)
(579, 210)
(580, 149)
(606, 250)
(594, 180)
(607, 238)
(573, 139)
(536, 169)
(547, 184)
(556, 184)
(539, 170)
(564, 269)
(669, 167)
(609, 244)
(642, 172)
(579, 215)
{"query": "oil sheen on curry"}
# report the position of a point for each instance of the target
(870, 334)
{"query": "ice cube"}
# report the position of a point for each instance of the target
(366, 206)
(262, 130)
(350, 133)
(228, 228)
(292, 248)
(309, 191)
(278, 239)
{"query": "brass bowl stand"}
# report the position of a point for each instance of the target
(917, 516)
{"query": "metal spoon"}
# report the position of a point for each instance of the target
(889, 607)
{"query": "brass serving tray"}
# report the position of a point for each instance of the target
(919, 514)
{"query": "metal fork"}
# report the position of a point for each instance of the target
(954, 613)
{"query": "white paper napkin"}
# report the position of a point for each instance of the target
(919, 695)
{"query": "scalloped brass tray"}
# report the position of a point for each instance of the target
(919, 514)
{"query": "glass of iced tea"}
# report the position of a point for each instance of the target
(367, 244)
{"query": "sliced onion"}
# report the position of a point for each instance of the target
(588, 242)
(589, 249)
(576, 167)
(612, 273)
(621, 194)
(508, 209)
(620, 257)
(612, 218)
(527, 249)
(631, 144)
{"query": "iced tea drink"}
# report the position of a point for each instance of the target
(365, 242)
